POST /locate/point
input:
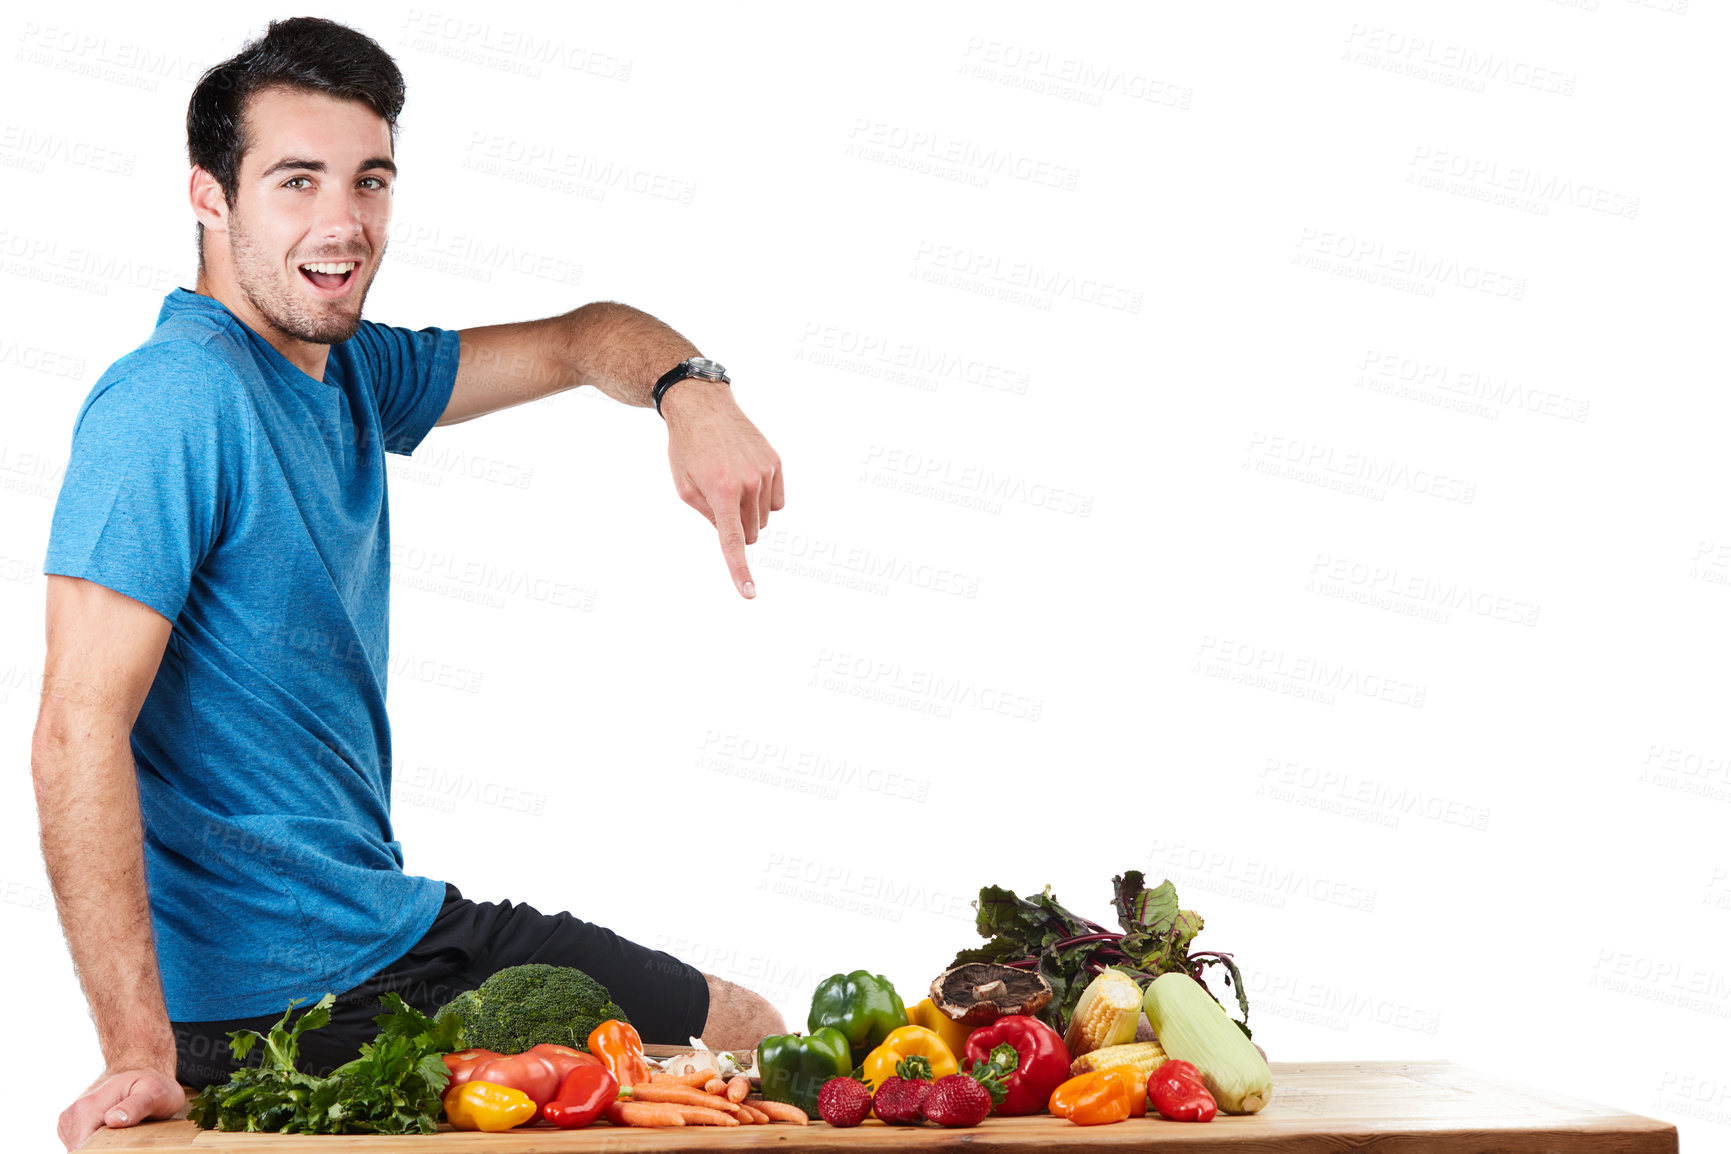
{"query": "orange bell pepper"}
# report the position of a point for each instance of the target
(620, 1049)
(1100, 1097)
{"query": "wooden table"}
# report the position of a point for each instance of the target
(1318, 1108)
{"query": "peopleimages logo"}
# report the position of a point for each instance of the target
(921, 690)
(1295, 458)
(1426, 58)
(1046, 283)
(1298, 674)
(1537, 188)
(943, 477)
(881, 141)
(1370, 259)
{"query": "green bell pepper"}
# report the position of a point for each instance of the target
(794, 1067)
(864, 1007)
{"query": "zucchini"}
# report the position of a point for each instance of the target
(1193, 1027)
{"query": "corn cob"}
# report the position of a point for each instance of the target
(1192, 1026)
(1106, 1014)
(1145, 1056)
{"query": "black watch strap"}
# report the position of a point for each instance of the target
(676, 374)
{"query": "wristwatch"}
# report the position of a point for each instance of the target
(700, 367)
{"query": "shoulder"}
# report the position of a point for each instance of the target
(385, 355)
(380, 345)
(175, 378)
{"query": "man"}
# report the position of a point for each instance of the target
(213, 714)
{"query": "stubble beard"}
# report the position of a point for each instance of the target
(257, 273)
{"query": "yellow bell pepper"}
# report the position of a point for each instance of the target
(927, 1014)
(487, 1106)
(908, 1042)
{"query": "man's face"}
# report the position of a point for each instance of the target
(314, 190)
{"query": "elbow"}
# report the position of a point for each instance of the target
(47, 753)
(61, 739)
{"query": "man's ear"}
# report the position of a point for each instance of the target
(208, 203)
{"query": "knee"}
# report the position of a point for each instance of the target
(738, 1018)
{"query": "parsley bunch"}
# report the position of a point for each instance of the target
(392, 1088)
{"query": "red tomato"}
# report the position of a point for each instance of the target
(462, 1065)
(531, 1073)
(564, 1058)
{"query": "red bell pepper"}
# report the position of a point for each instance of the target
(1179, 1092)
(1034, 1061)
(586, 1091)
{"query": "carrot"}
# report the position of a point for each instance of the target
(703, 1116)
(684, 1096)
(757, 1115)
(644, 1114)
(781, 1112)
(695, 1078)
(714, 1086)
(738, 1088)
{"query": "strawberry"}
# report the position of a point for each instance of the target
(844, 1102)
(957, 1100)
(899, 1099)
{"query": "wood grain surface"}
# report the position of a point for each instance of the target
(1318, 1108)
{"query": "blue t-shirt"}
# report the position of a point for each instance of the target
(217, 483)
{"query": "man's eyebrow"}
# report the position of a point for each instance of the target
(294, 162)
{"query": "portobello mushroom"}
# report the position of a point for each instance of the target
(979, 993)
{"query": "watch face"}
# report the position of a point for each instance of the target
(704, 367)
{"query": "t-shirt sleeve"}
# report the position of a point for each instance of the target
(147, 483)
(412, 372)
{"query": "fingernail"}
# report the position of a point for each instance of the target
(749, 589)
(121, 1114)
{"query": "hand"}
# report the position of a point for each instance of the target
(120, 1098)
(722, 467)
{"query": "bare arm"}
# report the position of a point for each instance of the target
(612, 347)
(103, 653)
(722, 465)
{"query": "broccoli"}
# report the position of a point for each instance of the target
(523, 1006)
(467, 1007)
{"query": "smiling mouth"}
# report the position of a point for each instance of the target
(329, 275)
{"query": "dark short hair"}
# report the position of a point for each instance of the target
(304, 53)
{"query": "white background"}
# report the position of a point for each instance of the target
(1272, 450)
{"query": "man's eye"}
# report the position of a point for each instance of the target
(297, 182)
(373, 182)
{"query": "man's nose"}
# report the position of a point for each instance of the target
(341, 215)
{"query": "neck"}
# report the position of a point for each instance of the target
(306, 356)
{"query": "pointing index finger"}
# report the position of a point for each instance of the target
(732, 532)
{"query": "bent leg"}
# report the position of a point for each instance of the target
(738, 1018)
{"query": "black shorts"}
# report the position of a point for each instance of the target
(666, 999)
